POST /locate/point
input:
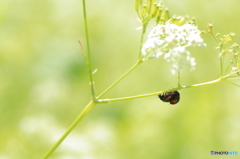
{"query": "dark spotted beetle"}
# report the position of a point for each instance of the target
(172, 97)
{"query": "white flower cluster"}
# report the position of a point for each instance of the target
(171, 41)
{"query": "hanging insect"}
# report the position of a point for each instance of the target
(172, 97)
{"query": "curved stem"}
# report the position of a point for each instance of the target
(72, 126)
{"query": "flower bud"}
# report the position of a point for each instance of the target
(178, 20)
(210, 26)
(234, 49)
(144, 11)
(159, 13)
(137, 3)
(228, 37)
(181, 21)
(164, 17)
(155, 10)
(192, 21)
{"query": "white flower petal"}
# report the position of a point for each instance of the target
(172, 41)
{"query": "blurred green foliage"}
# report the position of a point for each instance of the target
(44, 84)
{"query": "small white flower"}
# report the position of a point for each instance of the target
(171, 41)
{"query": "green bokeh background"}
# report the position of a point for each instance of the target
(44, 84)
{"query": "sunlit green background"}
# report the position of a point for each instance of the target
(44, 84)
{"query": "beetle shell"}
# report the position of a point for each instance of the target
(171, 97)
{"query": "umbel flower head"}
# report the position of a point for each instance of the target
(171, 40)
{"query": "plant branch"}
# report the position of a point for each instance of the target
(215, 37)
(232, 83)
(119, 79)
(132, 68)
(144, 26)
(178, 78)
(157, 93)
(89, 63)
(88, 107)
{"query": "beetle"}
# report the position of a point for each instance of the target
(172, 97)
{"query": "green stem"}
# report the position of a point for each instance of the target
(132, 68)
(178, 79)
(72, 126)
(229, 75)
(89, 63)
(221, 65)
(230, 63)
(215, 37)
(144, 26)
(202, 84)
(221, 60)
(232, 83)
(157, 93)
(233, 78)
(118, 80)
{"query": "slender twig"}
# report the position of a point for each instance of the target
(131, 69)
(221, 65)
(215, 37)
(179, 79)
(119, 79)
(221, 60)
(232, 83)
(72, 126)
(230, 63)
(144, 26)
(90, 105)
(233, 78)
(221, 57)
(205, 83)
(88, 52)
(156, 93)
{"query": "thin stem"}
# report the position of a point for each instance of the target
(118, 80)
(229, 75)
(131, 69)
(233, 78)
(157, 93)
(230, 63)
(89, 63)
(144, 26)
(232, 83)
(205, 83)
(178, 80)
(215, 37)
(221, 60)
(221, 65)
(129, 97)
(72, 126)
